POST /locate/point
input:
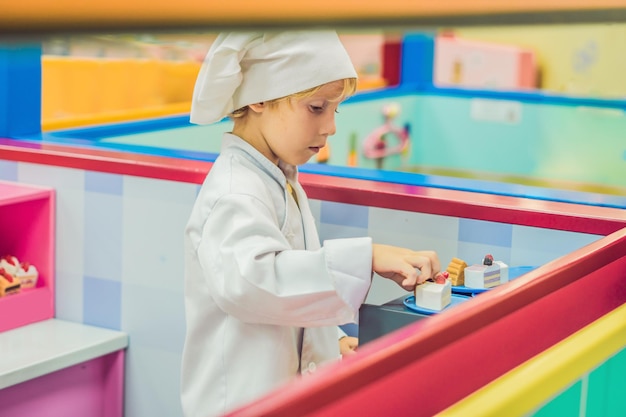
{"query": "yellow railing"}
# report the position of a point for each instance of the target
(527, 387)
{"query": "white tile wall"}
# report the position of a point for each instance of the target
(145, 225)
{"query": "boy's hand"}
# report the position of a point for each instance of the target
(348, 345)
(401, 265)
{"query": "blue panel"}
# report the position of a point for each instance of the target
(332, 231)
(155, 317)
(8, 170)
(344, 214)
(125, 128)
(418, 51)
(474, 253)
(103, 236)
(102, 300)
(488, 233)
(464, 184)
(20, 89)
(541, 97)
(103, 183)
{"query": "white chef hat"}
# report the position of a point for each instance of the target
(245, 68)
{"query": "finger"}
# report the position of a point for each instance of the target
(408, 285)
(434, 262)
(431, 260)
(410, 276)
(425, 271)
(421, 279)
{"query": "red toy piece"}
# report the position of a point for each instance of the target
(441, 277)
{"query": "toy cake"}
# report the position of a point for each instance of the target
(27, 274)
(504, 271)
(486, 275)
(456, 271)
(434, 295)
(16, 275)
(10, 264)
(8, 283)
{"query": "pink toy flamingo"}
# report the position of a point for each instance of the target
(375, 144)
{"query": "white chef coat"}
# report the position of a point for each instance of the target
(262, 298)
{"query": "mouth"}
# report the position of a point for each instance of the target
(315, 149)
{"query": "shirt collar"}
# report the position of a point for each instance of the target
(281, 173)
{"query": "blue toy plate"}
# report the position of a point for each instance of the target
(514, 272)
(409, 302)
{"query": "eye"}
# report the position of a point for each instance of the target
(317, 109)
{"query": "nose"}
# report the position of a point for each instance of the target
(329, 128)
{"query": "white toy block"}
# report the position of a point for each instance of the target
(482, 276)
(433, 296)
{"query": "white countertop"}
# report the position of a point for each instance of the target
(50, 345)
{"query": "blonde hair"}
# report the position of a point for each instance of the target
(349, 88)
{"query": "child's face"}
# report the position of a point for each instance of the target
(294, 131)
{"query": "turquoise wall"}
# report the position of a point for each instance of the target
(548, 142)
(554, 142)
(562, 143)
(597, 394)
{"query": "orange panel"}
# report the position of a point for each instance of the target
(64, 15)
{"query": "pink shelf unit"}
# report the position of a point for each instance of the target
(92, 388)
(27, 220)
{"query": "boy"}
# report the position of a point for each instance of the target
(263, 297)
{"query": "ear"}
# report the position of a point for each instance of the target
(257, 107)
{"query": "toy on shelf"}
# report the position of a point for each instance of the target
(8, 283)
(10, 264)
(376, 145)
(16, 275)
(27, 274)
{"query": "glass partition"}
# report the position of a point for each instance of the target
(533, 110)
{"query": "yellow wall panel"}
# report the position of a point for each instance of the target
(586, 60)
